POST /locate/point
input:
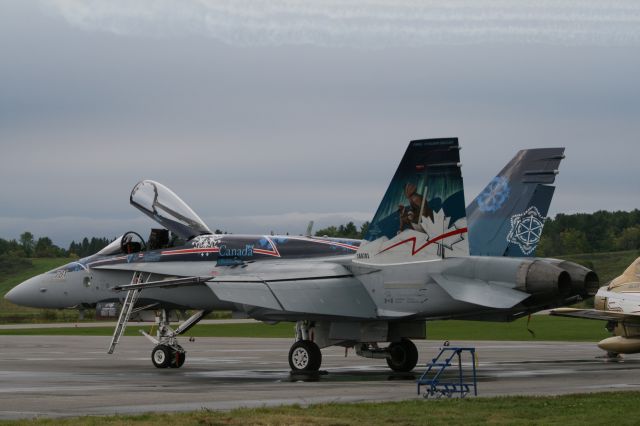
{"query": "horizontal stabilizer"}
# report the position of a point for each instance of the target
(479, 292)
(597, 315)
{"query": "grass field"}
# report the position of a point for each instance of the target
(607, 265)
(607, 408)
(39, 266)
(544, 327)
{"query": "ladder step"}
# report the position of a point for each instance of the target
(435, 369)
(125, 312)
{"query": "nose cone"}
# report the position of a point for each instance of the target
(29, 293)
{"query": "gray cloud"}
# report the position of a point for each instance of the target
(250, 135)
(365, 23)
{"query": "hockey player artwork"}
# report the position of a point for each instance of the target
(422, 215)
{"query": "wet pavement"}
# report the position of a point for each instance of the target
(73, 375)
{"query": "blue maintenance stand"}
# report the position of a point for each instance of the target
(438, 387)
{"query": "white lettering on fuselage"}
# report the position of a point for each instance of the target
(236, 252)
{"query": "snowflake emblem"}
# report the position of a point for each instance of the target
(494, 195)
(526, 229)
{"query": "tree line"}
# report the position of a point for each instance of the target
(27, 246)
(601, 231)
(350, 230)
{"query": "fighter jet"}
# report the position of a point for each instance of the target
(414, 265)
(618, 303)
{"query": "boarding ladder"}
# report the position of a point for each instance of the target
(439, 386)
(127, 308)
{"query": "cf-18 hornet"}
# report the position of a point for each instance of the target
(425, 257)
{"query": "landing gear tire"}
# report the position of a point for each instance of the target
(161, 356)
(177, 357)
(403, 356)
(305, 356)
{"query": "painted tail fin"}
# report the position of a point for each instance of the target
(507, 218)
(422, 215)
(630, 275)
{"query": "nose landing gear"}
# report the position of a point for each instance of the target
(167, 352)
(164, 356)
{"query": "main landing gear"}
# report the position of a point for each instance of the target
(304, 355)
(403, 356)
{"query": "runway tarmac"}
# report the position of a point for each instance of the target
(73, 375)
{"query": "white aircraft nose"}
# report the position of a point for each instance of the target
(27, 293)
(15, 295)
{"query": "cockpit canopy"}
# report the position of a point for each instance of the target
(165, 207)
(113, 248)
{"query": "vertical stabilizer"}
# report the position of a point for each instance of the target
(631, 275)
(507, 218)
(422, 215)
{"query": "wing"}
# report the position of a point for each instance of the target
(596, 315)
(319, 289)
(294, 287)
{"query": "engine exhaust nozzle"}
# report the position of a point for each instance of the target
(584, 281)
(545, 278)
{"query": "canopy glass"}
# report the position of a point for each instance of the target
(165, 207)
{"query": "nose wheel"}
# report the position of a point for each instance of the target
(168, 353)
(164, 356)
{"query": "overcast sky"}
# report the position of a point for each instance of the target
(264, 115)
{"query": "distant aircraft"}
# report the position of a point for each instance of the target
(618, 303)
(414, 265)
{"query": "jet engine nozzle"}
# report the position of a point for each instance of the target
(545, 278)
(584, 281)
